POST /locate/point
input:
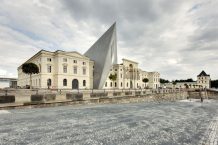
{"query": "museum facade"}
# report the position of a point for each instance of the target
(91, 70)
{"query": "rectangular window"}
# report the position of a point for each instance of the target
(84, 63)
(74, 61)
(84, 71)
(106, 84)
(65, 69)
(64, 59)
(75, 70)
(49, 68)
(49, 59)
(121, 75)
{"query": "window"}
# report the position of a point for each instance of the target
(65, 69)
(106, 84)
(115, 69)
(49, 82)
(84, 71)
(49, 68)
(121, 75)
(74, 61)
(84, 63)
(49, 59)
(75, 70)
(111, 84)
(65, 82)
(64, 59)
(126, 84)
(115, 84)
(84, 83)
(121, 84)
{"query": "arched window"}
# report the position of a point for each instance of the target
(84, 83)
(49, 82)
(64, 82)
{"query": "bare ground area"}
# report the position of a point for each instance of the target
(169, 123)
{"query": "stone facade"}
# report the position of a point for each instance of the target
(204, 80)
(129, 76)
(59, 70)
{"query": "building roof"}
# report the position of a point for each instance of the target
(203, 73)
(124, 59)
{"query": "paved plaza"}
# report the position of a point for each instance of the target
(169, 123)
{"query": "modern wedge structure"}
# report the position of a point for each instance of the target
(72, 70)
(104, 53)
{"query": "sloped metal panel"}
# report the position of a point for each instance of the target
(104, 53)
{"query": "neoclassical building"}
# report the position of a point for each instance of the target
(204, 80)
(72, 70)
(129, 76)
(59, 70)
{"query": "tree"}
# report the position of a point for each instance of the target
(145, 80)
(174, 83)
(113, 77)
(214, 84)
(163, 81)
(30, 68)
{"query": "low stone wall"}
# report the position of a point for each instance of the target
(74, 97)
(97, 96)
(197, 94)
(43, 97)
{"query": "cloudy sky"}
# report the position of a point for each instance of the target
(178, 38)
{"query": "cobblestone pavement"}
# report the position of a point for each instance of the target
(211, 135)
(172, 123)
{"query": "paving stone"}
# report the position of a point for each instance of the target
(168, 123)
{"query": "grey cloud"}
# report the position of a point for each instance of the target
(158, 34)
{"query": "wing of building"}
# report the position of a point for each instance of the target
(59, 70)
(203, 81)
(72, 70)
(130, 76)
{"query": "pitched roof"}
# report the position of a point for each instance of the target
(203, 73)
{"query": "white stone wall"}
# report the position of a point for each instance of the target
(204, 81)
(154, 80)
